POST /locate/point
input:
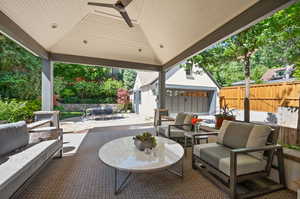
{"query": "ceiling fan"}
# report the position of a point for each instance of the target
(120, 6)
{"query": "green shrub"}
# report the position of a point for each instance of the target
(13, 110)
(110, 88)
(59, 108)
(67, 93)
(76, 100)
(19, 85)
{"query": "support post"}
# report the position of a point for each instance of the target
(162, 90)
(213, 102)
(47, 85)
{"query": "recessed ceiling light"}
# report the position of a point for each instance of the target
(54, 26)
(85, 41)
(140, 50)
(161, 46)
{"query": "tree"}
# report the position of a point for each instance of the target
(244, 48)
(19, 71)
(89, 73)
(129, 78)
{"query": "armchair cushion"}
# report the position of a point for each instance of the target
(175, 132)
(188, 120)
(234, 134)
(242, 135)
(237, 134)
(180, 118)
(218, 156)
(258, 137)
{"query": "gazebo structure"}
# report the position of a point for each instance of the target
(164, 32)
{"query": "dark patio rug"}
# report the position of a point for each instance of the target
(84, 176)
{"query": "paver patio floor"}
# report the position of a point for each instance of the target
(82, 175)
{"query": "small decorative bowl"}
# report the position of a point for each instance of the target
(143, 145)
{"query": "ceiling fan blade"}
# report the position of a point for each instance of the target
(126, 18)
(102, 4)
(125, 2)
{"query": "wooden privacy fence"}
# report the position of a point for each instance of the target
(267, 98)
(263, 97)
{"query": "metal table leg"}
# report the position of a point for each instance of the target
(178, 173)
(119, 188)
(185, 145)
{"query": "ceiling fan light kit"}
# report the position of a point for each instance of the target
(120, 6)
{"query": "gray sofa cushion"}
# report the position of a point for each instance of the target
(237, 134)
(12, 137)
(218, 156)
(18, 167)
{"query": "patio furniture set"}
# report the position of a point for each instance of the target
(244, 154)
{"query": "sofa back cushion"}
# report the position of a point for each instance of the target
(13, 136)
(180, 118)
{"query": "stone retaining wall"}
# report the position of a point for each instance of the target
(82, 107)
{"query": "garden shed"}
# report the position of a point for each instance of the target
(186, 91)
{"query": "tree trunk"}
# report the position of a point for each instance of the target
(247, 90)
(298, 124)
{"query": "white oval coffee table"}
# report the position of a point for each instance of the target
(122, 155)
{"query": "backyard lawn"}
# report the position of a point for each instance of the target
(69, 114)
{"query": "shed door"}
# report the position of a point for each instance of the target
(187, 101)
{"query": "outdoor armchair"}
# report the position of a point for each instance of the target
(243, 152)
(175, 130)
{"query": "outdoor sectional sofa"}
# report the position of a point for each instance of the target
(243, 153)
(19, 159)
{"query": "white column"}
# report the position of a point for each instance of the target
(47, 85)
(162, 90)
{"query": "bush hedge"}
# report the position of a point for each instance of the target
(89, 92)
(14, 110)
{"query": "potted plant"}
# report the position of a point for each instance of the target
(145, 140)
(225, 114)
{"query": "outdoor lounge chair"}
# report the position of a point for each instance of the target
(243, 154)
(176, 130)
